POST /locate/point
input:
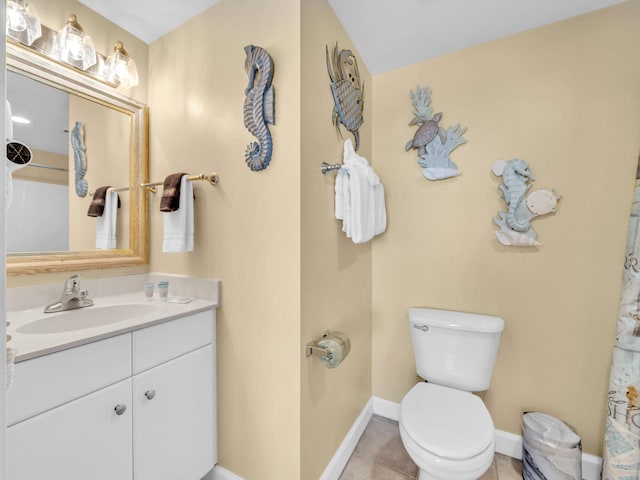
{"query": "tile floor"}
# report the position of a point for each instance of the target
(380, 455)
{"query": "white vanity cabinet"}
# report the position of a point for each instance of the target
(83, 439)
(138, 406)
(173, 418)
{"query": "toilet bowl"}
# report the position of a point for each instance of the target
(448, 433)
(447, 430)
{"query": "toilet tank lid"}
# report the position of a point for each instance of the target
(472, 322)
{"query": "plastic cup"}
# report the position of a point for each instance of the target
(148, 289)
(163, 289)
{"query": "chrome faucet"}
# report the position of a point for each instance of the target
(72, 297)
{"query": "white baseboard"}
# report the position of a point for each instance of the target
(348, 445)
(507, 443)
(220, 473)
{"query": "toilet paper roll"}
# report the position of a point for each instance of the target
(338, 347)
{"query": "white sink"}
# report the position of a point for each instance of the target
(83, 318)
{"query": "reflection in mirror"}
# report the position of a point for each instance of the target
(47, 215)
(49, 229)
(40, 115)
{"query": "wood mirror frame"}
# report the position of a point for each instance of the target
(43, 69)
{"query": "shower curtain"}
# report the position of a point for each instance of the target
(622, 435)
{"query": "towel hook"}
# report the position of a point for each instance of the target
(326, 167)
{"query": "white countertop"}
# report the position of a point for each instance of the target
(32, 345)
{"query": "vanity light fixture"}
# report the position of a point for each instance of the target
(120, 68)
(23, 24)
(73, 46)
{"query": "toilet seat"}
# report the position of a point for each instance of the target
(447, 423)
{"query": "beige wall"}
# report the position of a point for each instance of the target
(105, 166)
(565, 98)
(336, 274)
(247, 227)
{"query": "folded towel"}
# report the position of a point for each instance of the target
(96, 208)
(359, 198)
(106, 224)
(170, 201)
(178, 225)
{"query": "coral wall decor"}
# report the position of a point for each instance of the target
(434, 143)
(515, 223)
(259, 106)
(348, 91)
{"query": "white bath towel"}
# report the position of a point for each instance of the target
(106, 224)
(178, 225)
(359, 198)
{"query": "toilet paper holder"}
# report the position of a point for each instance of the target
(313, 348)
(331, 349)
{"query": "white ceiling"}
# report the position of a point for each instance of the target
(148, 19)
(46, 107)
(388, 34)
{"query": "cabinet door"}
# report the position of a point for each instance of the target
(83, 439)
(173, 422)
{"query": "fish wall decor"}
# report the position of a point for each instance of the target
(347, 90)
(433, 142)
(259, 106)
(79, 159)
(515, 223)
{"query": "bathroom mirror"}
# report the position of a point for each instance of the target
(117, 133)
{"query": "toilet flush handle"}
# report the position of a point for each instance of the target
(419, 326)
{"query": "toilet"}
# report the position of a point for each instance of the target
(446, 430)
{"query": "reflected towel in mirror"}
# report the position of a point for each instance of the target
(106, 224)
(97, 206)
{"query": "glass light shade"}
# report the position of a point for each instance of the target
(73, 46)
(120, 68)
(23, 24)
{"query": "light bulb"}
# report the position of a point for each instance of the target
(15, 17)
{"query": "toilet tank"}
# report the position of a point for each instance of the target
(455, 349)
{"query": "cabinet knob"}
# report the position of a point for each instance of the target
(120, 409)
(150, 394)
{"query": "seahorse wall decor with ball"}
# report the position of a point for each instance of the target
(515, 223)
(259, 107)
(434, 143)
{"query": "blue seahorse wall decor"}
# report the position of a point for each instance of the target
(259, 106)
(434, 143)
(79, 159)
(347, 89)
(515, 223)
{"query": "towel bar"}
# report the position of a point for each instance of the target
(212, 178)
(326, 167)
(112, 189)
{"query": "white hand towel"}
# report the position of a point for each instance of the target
(364, 214)
(341, 178)
(106, 224)
(178, 225)
(380, 223)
